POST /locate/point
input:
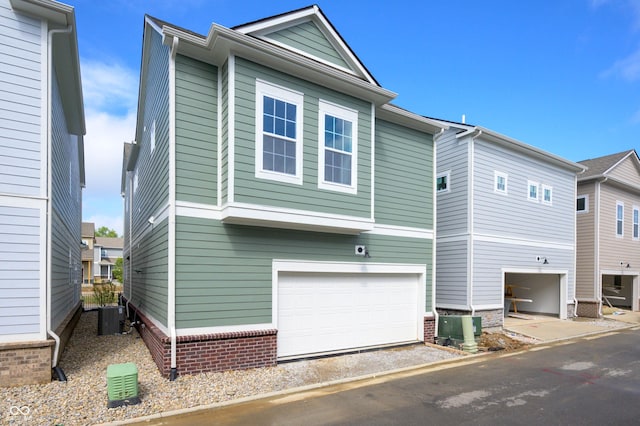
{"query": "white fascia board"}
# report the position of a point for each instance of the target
(496, 137)
(409, 119)
(53, 11)
(278, 21)
(275, 217)
(220, 42)
(618, 163)
(402, 231)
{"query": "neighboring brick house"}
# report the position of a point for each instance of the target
(276, 204)
(608, 218)
(41, 180)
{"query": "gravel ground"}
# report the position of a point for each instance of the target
(82, 400)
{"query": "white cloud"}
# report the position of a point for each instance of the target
(112, 222)
(627, 68)
(109, 87)
(110, 96)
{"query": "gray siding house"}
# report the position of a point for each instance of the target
(505, 227)
(41, 177)
(608, 210)
(276, 204)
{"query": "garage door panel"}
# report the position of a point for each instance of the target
(333, 312)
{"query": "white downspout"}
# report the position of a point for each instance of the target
(435, 230)
(470, 212)
(575, 252)
(67, 30)
(597, 275)
(171, 267)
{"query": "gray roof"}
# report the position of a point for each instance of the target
(108, 242)
(88, 229)
(599, 166)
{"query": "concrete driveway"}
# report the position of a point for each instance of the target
(548, 329)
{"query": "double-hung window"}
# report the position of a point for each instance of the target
(547, 194)
(442, 182)
(278, 133)
(500, 182)
(337, 148)
(619, 219)
(533, 191)
(636, 229)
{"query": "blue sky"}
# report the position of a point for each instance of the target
(563, 76)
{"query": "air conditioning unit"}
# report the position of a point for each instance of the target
(122, 384)
(110, 320)
(450, 327)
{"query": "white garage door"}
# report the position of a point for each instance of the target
(337, 312)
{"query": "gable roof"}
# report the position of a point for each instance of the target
(256, 42)
(600, 166)
(88, 229)
(266, 28)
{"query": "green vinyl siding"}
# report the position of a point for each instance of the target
(224, 272)
(149, 277)
(196, 131)
(308, 38)
(308, 196)
(404, 176)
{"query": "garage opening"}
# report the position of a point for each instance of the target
(535, 293)
(320, 313)
(617, 291)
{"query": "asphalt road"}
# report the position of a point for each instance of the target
(587, 381)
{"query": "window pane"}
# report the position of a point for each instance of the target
(279, 155)
(268, 105)
(280, 109)
(337, 168)
(279, 128)
(291, 129)
(581, 204)
(267, 123)
(441, 184)
(291, 112)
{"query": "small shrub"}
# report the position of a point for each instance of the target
(104, 294)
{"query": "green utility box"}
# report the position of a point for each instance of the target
(122, 384)
(450, 327)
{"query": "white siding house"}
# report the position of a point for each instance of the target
(41, 178)
(505, 226)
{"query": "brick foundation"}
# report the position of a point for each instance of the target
(29, 363)
(589, 309)
(209, 352)
(429, 329)
(26, 363)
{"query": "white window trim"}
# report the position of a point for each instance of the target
(620, 204)
(338, 111)
(633, 228)
(586, 204)
(543, 188)
(496, 175)
(446, 175)
(264, 88)
(529, 185)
